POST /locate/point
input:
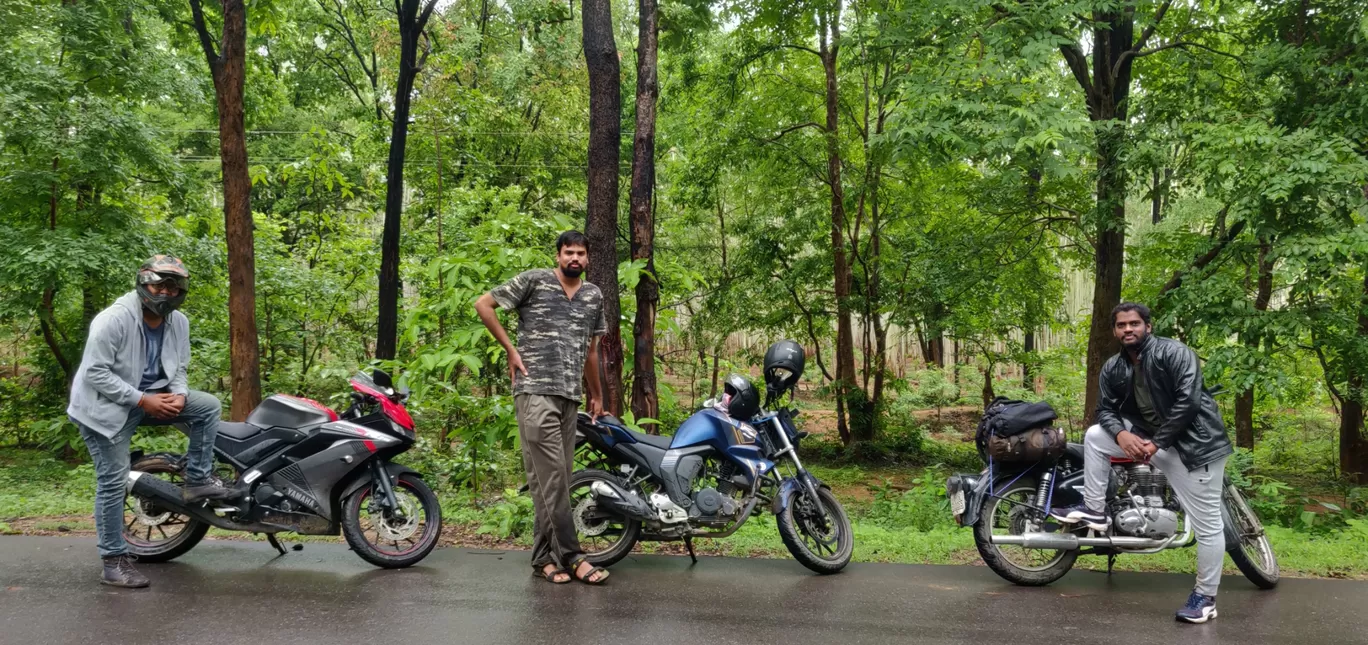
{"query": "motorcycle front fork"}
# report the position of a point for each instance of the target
(385, 495)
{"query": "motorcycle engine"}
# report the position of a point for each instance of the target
(710, 503)
(1147, 515)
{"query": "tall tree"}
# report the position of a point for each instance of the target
(644, 398)
(1107, 90)
(227, 65)
(1244, 403)
(850, 399)
(605, 142)
(413, 18)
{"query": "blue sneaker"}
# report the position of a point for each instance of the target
(1198, 609)
(1082, 514)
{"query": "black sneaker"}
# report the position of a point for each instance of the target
(1198, 609)
(196, 491)
(119, 572)
(1082, 514)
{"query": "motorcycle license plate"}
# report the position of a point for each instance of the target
(957, 504)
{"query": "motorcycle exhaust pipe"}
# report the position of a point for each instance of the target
(168, 495)
(1068, 542)
(622, 500)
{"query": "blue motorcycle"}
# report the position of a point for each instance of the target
(727, 462)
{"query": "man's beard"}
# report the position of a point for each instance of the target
(572, 271)
(1135, 344)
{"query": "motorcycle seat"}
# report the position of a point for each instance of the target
(655, 440)
(238, 431)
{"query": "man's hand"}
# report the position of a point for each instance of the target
(515, 365)
(177, 401)
(161, 406)
(1133, 445)
(1150, 449)
(596, 407)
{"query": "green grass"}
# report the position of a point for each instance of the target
(905, 521)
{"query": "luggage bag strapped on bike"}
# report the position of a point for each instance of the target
(1019, 432)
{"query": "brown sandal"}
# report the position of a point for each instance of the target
(550, 571)
(589, 578)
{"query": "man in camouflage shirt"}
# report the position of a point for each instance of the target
(560, 320)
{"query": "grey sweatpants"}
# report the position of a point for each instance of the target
(1198, 492)
(546, 425)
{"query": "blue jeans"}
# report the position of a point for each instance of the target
(110, 454)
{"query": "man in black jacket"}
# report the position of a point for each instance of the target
(1152, 407)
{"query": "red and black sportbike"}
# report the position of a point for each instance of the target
(298, 466)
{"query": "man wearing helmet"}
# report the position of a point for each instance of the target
(133, 373)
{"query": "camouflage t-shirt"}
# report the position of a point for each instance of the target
(553, 331)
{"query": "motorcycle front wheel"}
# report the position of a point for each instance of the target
(821, 542)
(393, 538)
(1008, 514)
(1246, 541)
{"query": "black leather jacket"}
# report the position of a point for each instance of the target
(1192, 421)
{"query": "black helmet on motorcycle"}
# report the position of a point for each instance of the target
(783, 366)
(167, 270)
(740, 398)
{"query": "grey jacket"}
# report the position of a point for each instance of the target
(105, 389)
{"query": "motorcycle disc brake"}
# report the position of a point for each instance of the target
(582, 524)
(399, 526)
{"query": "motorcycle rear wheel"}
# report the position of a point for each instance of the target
(389, 540)
(822, 544)
(155, 534)
(604, 541)
(1246, 541)
(1021, 566)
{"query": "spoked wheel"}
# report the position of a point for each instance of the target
(1246, 541)
(820, 541)
(153, 533)
(393, 538)
(605, 536)
(1010, 513)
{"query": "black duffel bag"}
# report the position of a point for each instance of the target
(1017, 431)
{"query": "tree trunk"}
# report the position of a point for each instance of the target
(1353, 443)
(1244, 404)
(412, 21)
(645, 403)
(228, 67)
(1111, 37)
(846, 387)
(605, 141)
(1028, 365)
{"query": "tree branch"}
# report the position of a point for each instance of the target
(1201, 261)
(792, 128)
(1149, 31)
(206, 40)
(1078, 64)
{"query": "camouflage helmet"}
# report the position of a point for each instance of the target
(162, 269)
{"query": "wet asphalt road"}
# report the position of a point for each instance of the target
(240, 594)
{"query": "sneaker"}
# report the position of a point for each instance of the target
(119, 572)
(1082, 514)
(196, 491)
(1198, 609)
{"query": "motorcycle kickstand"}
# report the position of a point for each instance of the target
(688, 544)
(1111, 562)
(270, 537)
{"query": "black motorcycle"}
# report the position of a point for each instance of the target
(721, 467)
(1009, 509)
(295, 465)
